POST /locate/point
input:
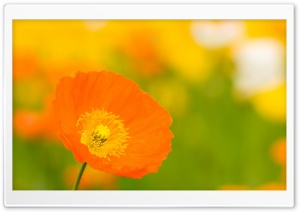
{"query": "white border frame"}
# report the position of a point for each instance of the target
(146, 198)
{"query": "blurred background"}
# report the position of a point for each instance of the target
(223, 83)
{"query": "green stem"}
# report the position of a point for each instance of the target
(79, 176)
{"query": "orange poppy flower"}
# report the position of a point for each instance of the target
(112, 125)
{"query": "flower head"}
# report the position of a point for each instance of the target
(112, 125)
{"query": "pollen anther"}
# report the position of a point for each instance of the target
(103, 133)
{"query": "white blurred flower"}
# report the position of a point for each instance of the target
(213, 35)
(260, 65)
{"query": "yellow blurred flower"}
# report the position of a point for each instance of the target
(182, 53)
(58, 41)
(271, 103)
(267, 28)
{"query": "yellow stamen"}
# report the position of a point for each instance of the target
(103, 133)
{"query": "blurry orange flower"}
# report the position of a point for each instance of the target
(25, 63)
(267, 186)
(272, 186)
(109, 123)
(91, 178)
(27, 123)
(140, 46)
(139, 42)
(278, 152)
(34, 124)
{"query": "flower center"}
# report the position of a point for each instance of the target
(103, 133)
(100, 135)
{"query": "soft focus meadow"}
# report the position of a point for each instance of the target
(223, 83)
